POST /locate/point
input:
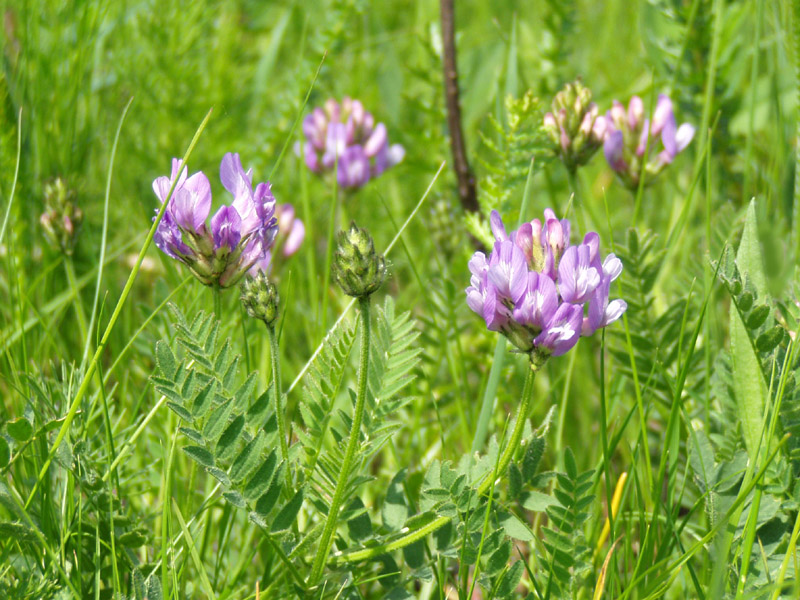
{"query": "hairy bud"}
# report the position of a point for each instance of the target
(260, 298)
(357, 268)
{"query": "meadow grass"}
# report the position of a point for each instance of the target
(140, 452)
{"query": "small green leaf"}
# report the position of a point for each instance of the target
(226, 445)
(510, 580)
(235, 498)
(217, 421)
(5, 452)
(288, 513)
(133, 539)
(745, 302)
(498, 559)
(533, 455)
(757, 316)
(395, 509)
(20, 429)
(514, 480)
(515, 528)
(537, 501)
(261, 479)
(200, 455)
(414, 554)
(248, 459)
(192, 434)
(165, 360)
(360, 526)
(180, 411)
(770, 339)
(569, 464)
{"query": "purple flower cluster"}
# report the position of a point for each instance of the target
(628, 134)
(239, 234)
(291, 233)
(345, 136)
(541, 292)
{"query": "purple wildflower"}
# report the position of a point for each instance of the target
(628, 134)
(346, 138)
(238, 235)
(541, 292)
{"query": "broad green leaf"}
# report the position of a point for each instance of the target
(359, 527)
(750, 389)
(395, 510)
(537, 501)
(515, 528)
(20, 429)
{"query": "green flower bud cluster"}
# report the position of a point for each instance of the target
(574, 126)
(357, 268)
(260, 298)
(62, 218)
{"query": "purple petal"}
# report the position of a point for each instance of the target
(353, 169)
(376, 141)
(295, 238)
(662, 114)
(563, 330)
(613, 150)
(226, 228)
(233, 176)
(539, 303)
(498, 229)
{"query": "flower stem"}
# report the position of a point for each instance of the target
(502, 464)
(69, 266)
(355, 430)
(217, 302)
(277, 393)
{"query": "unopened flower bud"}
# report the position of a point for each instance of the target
(260, 298)
(62, 217)
(357, 268)
(571, 124)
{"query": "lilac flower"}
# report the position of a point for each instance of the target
(346, 138)
(218, 253)
(628, 134)
(290, 236)
(541, 292)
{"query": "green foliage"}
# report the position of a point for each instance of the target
(230, 429)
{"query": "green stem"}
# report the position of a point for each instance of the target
(355, 430)
(69, 267)
(277, 394)
(486, 484)
(577, 206)
(217, 301)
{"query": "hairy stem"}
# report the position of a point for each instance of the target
(439, 522)
(277, 393)
(355, 430)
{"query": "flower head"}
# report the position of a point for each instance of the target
(574, 126)
(541, 292)
(629, 134)
(357, 268)
(346, 138)
(62, 217)
(260, 298)
(238, 235)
